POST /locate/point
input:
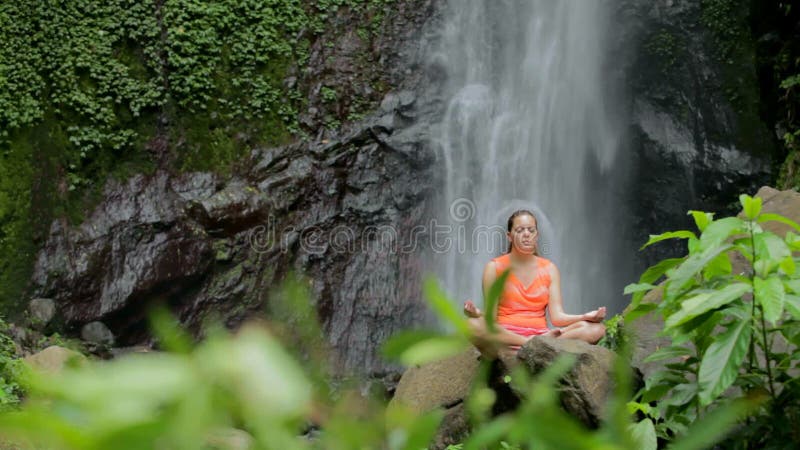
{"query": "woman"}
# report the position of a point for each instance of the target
(533, 286)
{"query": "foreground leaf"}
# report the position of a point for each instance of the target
(705, 302)
(719, 231)
(701, 219)
(682, 234)
(433, 349)
(751, 205)
(770, 295)
(644, 434)
(493, 298)
(721, 362)
(444, 307)
(709, 429)
(673, 351)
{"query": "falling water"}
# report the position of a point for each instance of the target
(530, 123)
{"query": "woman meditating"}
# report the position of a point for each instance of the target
(533, 286)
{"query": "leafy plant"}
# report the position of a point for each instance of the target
(735, 333)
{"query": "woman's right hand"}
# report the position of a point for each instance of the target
(596, 316)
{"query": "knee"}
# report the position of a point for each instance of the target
(592, 331)
(597, 331)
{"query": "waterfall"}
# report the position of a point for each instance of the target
(531, 123)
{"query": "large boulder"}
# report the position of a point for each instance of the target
(587, 387)
(445, 384)
(53, 359)
(441, 384)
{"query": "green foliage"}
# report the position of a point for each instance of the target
(615, 338)
(328, 94)
(724, 19)
(665, 47)
(720, 322)
(11, 372)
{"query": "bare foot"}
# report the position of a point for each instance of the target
(555, 332)
(470, 310)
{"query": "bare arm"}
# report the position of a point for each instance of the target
(556, 306)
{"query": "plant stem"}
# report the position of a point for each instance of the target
(767, 357)
(752, 355)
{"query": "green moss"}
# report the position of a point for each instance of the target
(665, 48)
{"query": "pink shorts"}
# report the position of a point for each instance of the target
(524, 331)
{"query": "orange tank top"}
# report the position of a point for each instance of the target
(519, 305)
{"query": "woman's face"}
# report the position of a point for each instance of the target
(524, 234)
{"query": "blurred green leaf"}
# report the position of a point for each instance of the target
(709, 429)
(670, 352)
(495, 291)
(444, 307)
(396, 345)
(644, 434)
(434, 349)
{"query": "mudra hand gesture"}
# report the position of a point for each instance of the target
(595, 316)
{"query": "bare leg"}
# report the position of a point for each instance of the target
(590, 332)
(488, 343)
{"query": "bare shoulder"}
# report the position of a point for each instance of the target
(551, 267)
(490, 270)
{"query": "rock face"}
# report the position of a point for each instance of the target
(340, 208)
(696, 136)
(340, 211)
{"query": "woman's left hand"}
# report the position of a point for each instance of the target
(597, 315)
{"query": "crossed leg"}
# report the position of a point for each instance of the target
(583, 330)
(489, 342)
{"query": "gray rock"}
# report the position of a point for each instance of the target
(586, 388)
(390, 102)
(97, 333)
(441, 384)
(42, 311)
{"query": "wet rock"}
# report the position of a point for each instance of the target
(42, 311)
(586, 388)
(693, 144)
(97, 333)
